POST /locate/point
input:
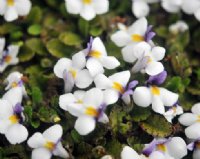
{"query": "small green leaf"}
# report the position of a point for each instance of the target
(140, 114)
(69, 38)
(25, 53)
(34, 29)
(36, 95)
(96, 31)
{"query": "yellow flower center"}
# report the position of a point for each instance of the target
(49, 145)
(117, 86)
(73, 72)
(91, 111)
(14, 84)
(198, 145)
(155, 90)
(79, 101)
(7, 59)
(95, 54)
(87, 1)
(137, 38)
(10, 2)
(162, 147)
(14, 119)
(198, 118)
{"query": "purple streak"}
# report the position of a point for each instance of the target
(149, 35)
(157, 79)
(89, 45)
(18, 109)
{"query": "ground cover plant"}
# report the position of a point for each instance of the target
(99, 79)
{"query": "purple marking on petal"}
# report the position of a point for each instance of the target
(191, 146)
(18, 109)
(128, 92)
(89, 45)
(157, 79)
(140, 64)
(20, 83)
(149, 35)
(132, 84)
(101, 110)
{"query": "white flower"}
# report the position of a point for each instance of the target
(7, 57)
(96, 58)
(11, 119)
(87, 8)
(148, 58)
(141, 8)
(88, 107)
(116, 86)
(192, 121)
(48, 143)
(195, 147)
(171, 5)
(157, 96)
(178, 27)
(137, 32)
(73, 73)
(11, 9)
(173, 112)
(171, 148)
(107, 157)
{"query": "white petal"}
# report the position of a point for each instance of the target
(79, 94)
(188, 119)
(157, 155)
(19, 137)
(126, 99)
(93, 97)
(103, 119)
(101, 6)
(23, 7)
(14, 95)
(109, 62)
(129, 153)
(83, 79)
(62, 65)
(3, 67)
(94, 67)
(196, 109)
(121, 38)
(128, 54)
(85, 124)
(140, 9)
(121, 77)
(197, 14)
(10, 14)
(79, 60)
(157, 105)
(196, 154)
(53, 134)
(2, 41)
(158, 53)
(138, 27)
(69, 82)
(2, 8)
(73, 6)
(170, 7)
(76, 109)
(65, 100)
(110, 96)
(4, 126)
(6, 109)
(102, 82)
(154, 68)
(97, 45)
(60, 151)
(36, 141)
(190, 7)
(41, 153)
(168, 98)
(87, 12)
(141, 49)
(192, 131)
(177, 147)
(142, 96)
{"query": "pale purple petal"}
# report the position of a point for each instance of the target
(140, 64)
(132, 84)
(149, 35)
(191, 146)
(157, 79)
(89, 45)
(18, 109)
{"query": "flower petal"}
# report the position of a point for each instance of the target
(158, 53)
(177, 147)
(83, 79)
(85, 124)
(79, 94)
(65, 100)
(109, 62)
(196, 109)
(154, 68)
(73, 6)
(97, 45)
(23, 7)
(94, 67)
(197, 15)
(157, 155)
(87, 12)
(102, 82)
(188, 119)
(19, 137)
(103, 118)
(53, 134)
(2, 40)
(170, 7)
(140, 9)
(101, 6)
(190, 7)
(157, 105)
(6, 109)
(196, 154)
(60, 151)
(41, 153)
(168, 98)
(2, 8)
(128, 54)
(121, 77)
(62, 65)
(110, 96)
(121, 38)
(11, 14)
(69, 82)
(129, 153)
(36, 141)
(79, 60)
(142, 96)
(192, 131)
(5, 124)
